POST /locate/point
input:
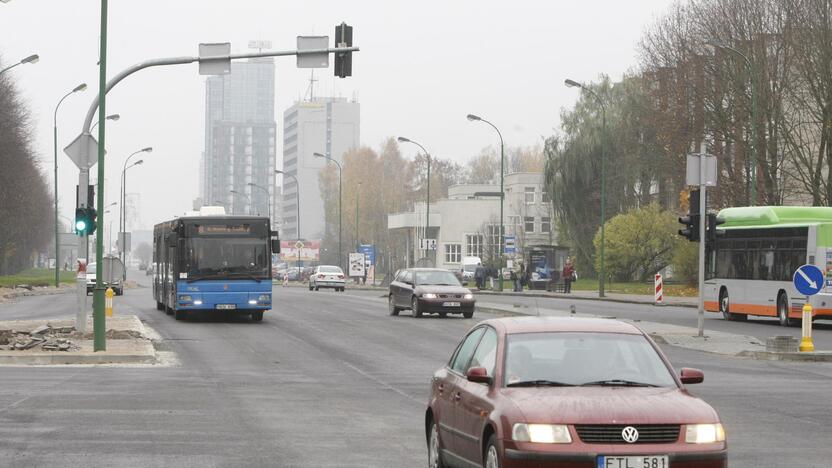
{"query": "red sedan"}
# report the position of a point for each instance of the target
(567, 392)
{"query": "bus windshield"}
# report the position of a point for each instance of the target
(226, 256)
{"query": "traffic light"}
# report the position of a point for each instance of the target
(691, 221)
(85, 221)
(343, 60)
(712, 222)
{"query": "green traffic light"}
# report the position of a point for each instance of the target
(80, 225)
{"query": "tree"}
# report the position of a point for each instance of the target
(483, 168)
(25, 203)
(639, 242)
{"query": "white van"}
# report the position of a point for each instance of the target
(469, 265)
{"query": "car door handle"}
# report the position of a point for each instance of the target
(440, 388)
(457, 396)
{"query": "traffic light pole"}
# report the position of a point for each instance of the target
(81, 277)
(98, 319)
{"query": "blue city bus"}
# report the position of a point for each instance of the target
(214, 263)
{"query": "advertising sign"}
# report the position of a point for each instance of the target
(511, 244)
(310, 250)
(356, 264)
(369, 252)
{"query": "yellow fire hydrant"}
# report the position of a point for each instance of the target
(108, 302)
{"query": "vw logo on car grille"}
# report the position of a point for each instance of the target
(629, 434)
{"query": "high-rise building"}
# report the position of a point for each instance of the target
(323, 125)
(238, 161)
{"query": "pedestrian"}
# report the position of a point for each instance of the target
(515, 282)
(479, 276)
(286, 278)
(523, 279)
(568, 274)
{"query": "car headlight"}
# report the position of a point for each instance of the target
(469, 296)
(185, 298)
(541, 433)
(704, 433)
(429, 296)
(265, 298)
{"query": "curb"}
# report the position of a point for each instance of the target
(43, 292)
(146, 356)
(816, 356)
(582, 298)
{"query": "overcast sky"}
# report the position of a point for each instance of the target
(422, 67)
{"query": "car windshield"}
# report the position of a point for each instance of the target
(330, 269)
(446, 278)
(584, 359)
(91, 268)
(469, 267)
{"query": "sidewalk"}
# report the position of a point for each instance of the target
(715, 342)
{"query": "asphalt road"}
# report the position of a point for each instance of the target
(327, 379)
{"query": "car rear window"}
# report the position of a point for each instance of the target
(329, 269)
(580, 358)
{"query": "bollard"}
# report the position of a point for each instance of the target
(108, 302)
(659, 297)
(806, 345)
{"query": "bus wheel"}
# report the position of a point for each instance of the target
(724, 306)
(783, 312)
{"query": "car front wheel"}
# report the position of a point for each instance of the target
(492, 458)
(417, 313)
(392, 305)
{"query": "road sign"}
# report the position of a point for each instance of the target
(215, 58)
(83, 151)
(511, 244)
(693, 169)
(320, 60)
(808, 280)
(427, 244)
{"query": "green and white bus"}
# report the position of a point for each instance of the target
(750, 266)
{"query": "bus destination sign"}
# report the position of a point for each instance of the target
(223, 229)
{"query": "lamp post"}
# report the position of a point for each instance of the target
(427, 196)
(236, 192)
(575, 84)
(357, 197)
(113, 117)
(30, 59)
(297, 202)
(76, 89)
(268, 197)
(340, 200)
(476, 118)
(110, 228)
(122, 223)
(753, 84)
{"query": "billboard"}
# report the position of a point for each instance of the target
(356, 264)
(303, 250)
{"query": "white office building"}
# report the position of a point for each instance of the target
(323, 125)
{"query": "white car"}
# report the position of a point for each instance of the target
(327, 276)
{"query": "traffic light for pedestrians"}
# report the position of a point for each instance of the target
(85, 221)
(691, 221)
(343, 60)
(712, 222)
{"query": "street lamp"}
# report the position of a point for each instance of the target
(476, 118)
(297, 202)
(268, 198)
(427, 196)
(30, 59)
(752, 82)
(235, 192)
(112, 117)
(340, 200)
(122, 224)
(76, 89)
(357, 197)
(574, 84)
(110, 228)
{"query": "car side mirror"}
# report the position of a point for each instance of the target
(478, 375)
(691, 376)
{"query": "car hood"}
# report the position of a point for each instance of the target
(610, 405)
(436, 289)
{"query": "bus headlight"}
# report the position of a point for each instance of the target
(265, 298)
(197, 302)
(185, 298)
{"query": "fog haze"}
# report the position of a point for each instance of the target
(422, 67)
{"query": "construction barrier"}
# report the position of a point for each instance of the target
(659, 297)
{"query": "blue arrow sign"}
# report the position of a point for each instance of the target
(808, 280)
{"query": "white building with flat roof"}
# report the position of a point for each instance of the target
(466, 223)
